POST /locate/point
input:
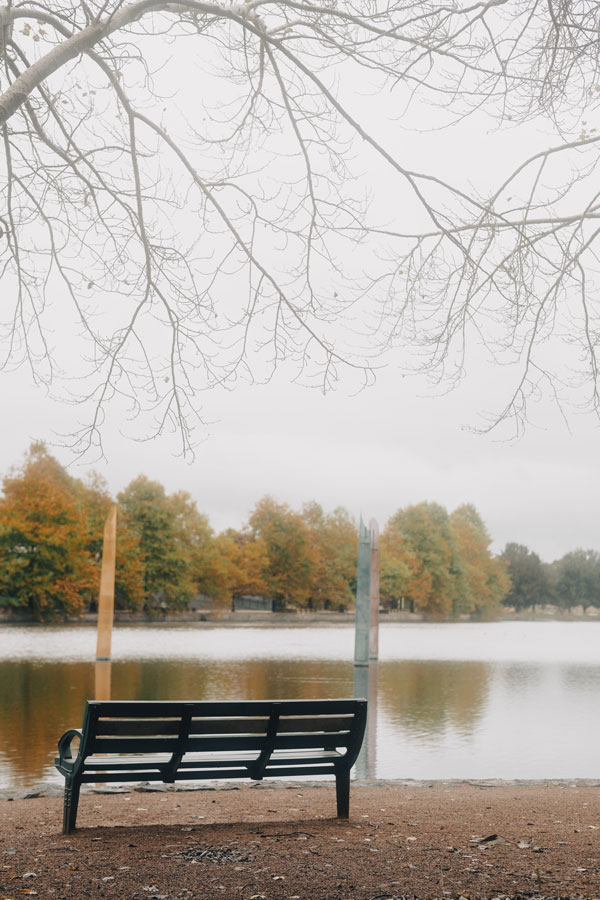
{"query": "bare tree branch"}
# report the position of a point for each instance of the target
(185, 191)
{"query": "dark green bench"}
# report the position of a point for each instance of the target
(168, 741)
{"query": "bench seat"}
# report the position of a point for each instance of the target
(168, 741)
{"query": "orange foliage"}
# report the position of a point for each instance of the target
(43, 540)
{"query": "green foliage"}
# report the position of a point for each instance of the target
(165, 528)
(529, 584)
(578, 579)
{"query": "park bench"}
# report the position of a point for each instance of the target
(172, 740)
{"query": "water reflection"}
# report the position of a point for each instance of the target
(524, 677)
(579, 679)
(38, 703)
(427, 697)
(436, 718)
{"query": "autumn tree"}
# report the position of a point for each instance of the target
(334, 540)
(244, 561)
(441, 564)
(483, 580)
(292, 559)
(425, 528)
(403, 580)
(217, 566)
(45, 563)
(152, 221)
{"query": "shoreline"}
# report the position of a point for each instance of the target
(298, 618)
(52, 790)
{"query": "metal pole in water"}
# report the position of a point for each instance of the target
(106, 601)
(363, 592)
(374, 590)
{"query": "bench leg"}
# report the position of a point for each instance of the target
(342, 793)
(70, 805)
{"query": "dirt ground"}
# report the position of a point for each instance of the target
(440, 840)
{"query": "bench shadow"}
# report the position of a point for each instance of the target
(207, 832)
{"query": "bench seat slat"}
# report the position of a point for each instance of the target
(217, 742)
(312, 723)
(204, 774)
(166, 745)
(281, 742)
(137, 727)
(329, 739)
(128, 727)
(208, 725)
(104, 763)
(148, 744)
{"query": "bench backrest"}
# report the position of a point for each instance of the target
(180, 727)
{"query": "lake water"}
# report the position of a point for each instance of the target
(500, 700)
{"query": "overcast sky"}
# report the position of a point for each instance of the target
(373, 453)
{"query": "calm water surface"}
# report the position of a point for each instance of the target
(501, 700)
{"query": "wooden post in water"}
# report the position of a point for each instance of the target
(102, 673)
(106, 601)
(374, 591)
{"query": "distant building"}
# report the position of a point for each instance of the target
(252, 603)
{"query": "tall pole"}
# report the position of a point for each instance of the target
(366, 642)
(106, 601)
(363, 592)
(374, 590)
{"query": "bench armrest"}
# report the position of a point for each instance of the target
(65, 756)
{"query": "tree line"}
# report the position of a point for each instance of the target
(573, 580)
(433, 562)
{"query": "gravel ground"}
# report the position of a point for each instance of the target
(419, 840)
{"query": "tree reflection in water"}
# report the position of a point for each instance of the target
(416, 706)
(426, 697)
